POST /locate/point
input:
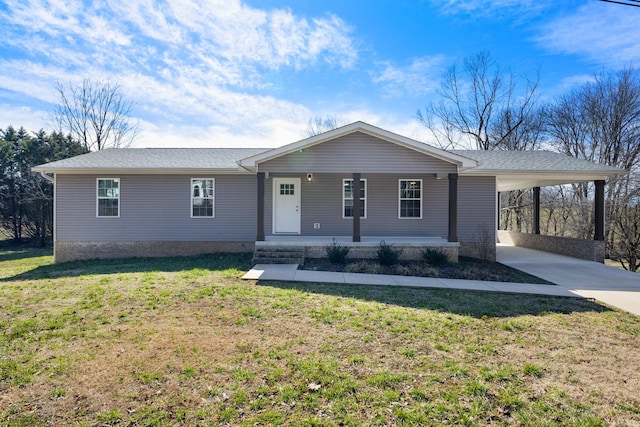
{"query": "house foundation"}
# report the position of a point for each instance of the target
(66, 251)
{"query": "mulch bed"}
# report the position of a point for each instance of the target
(466, 268)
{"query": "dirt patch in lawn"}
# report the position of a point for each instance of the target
(466, 268)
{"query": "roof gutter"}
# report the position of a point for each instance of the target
(48, 177)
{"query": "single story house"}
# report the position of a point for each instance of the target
(357, 183)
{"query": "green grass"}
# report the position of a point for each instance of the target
(183, 341)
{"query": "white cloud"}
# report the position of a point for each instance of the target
(273, 133)
(32, 120)
(584, 32)
(513, 9)
(190, 64)
(418, 78)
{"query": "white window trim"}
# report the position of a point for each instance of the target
(400, 199)
(98, 198)
(213, 198)
(364, 199)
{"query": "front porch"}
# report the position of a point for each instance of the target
(314, 246)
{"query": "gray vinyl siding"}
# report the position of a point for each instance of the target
(322, 203)
(156, 208)
(476, 207)
(357, 152)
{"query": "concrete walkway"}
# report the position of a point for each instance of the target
(290, 273)
(574, 277)
(588, 279)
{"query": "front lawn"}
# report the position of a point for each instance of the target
(184, 341)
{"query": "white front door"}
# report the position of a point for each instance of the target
(286, 205)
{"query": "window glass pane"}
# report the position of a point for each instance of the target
(348, 189)
(348, 208)
(204, 208)
(108, 207)
(410, 208)
(286, 189)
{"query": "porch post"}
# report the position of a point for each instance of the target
(498, 212)
(453, 207)
(356, 207)
(260, 236)
(598, 214)
(536, 210)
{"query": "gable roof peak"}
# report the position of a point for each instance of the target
(251, 163)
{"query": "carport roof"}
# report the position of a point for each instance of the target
(526, 169)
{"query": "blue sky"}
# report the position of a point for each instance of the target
(252, 73)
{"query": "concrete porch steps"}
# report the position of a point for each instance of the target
(278, 255)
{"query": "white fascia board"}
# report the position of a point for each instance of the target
(251, 163)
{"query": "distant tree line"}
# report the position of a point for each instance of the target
(26, 198)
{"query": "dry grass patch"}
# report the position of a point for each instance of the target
(183, 341)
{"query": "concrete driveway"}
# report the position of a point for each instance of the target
(613, 286)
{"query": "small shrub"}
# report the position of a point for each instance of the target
(336, 253)
(435, 257)
(387, 255)
(485, 245)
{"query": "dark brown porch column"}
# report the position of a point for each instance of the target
(598, 214)
(453, 207)
(260, 236)
(356, 207)
(498, 211)
(536, 210)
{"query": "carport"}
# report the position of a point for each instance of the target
(523, 170)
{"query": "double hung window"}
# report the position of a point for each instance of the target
(202, 198)
(410, 195)
(108, 200)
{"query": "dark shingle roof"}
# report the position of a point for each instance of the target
(532, 161)
(155, 158)
(141, 159)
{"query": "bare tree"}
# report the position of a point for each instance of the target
(318, 125)
(480, 105)
(600, 122)
(96, 114)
